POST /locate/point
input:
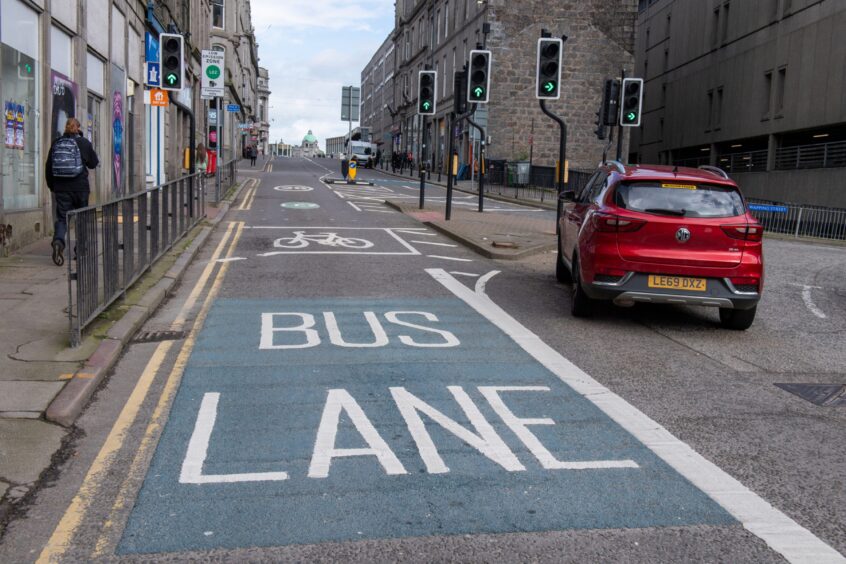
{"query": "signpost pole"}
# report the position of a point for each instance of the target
(217, 148)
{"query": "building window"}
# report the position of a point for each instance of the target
(780, 86)
(669, 24)
(710, 110)
(715, 28)
(438, 28)
(61, 52)
(666, 60)
(767, 94)
(664, 94)
(719, 109)
(218, 19)
(725, 31)
(446, 19)
(443, 88)
(788, 5)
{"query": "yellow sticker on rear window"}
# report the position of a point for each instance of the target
(680, 186)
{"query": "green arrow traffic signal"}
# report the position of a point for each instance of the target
(478, 91)
(427, 105)
(171, 79)
(549, 87)
(631, 116)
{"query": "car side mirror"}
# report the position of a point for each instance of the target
(568, 195)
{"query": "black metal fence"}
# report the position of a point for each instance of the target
(522, 181)
(228, 172)
(113, 244)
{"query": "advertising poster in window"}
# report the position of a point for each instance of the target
(65, 93)
(118, 85)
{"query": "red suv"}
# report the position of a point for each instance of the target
(658, 234)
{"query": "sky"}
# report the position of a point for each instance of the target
(311, 49)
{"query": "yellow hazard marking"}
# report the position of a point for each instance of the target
(680, 186)
(63, 534)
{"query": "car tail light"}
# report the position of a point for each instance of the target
(610, 223)
(746, 283)
(745, 231)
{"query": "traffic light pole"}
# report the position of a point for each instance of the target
(562, 155)
(450, 179)
(422, 165)
(481, 131)
(218, 122)
(192, 158)
(620, 127)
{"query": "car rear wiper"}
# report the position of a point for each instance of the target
(680, 213)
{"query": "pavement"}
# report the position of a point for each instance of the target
(45, 384)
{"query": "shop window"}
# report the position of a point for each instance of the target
(20, 89)
(61, 52)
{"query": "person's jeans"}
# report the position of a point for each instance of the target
(65, 202)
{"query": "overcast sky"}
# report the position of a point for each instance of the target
(312, 48)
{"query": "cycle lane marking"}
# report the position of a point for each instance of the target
(776, 529)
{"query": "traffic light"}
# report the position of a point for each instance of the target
(479, 79)
(549, 68)
(611, 102)
(632, 103)
(600, 130)
(172, 61)
(459, 86)
(427, 87)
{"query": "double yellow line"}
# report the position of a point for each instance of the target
(249, 197)
(60, 540)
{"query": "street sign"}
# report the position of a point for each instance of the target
(151, 48)
(233, 108)
(159, 98)
(212, 78)
(152, 74)
(350, 102)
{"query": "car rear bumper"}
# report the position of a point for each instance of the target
(634, 288)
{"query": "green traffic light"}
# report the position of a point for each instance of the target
(28, 68)
(171, 78)
(478, 92)
(427, 105)
(549, 87)
(631, 116)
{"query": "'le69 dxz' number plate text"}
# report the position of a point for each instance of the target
(678, 283)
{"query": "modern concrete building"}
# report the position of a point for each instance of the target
(85, 59)
(335, 146)
(441, 33)
(755, 87)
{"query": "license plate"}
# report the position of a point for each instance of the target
(678, 283)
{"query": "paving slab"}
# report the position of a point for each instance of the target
(26, 448)
(28, 396)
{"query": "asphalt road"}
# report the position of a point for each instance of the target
(354, 386)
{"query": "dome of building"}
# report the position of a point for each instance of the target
(309, 138)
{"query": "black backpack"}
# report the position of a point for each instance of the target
(67, 158)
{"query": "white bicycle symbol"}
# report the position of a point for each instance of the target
(300, 240)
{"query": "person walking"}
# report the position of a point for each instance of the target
(202, 159)
(253, 155)
(66, 171)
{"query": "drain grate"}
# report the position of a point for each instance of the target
(158, 336)
(826, 395)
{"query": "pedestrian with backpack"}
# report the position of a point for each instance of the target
(68, 161)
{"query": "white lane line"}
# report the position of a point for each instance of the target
(779, 531)
(483, 281)
(418, 233)
(459, 273)
(356, 208)
(449, 258)
(433, 243)
(232, 259)
(809, 303)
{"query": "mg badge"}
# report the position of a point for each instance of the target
(683, 235)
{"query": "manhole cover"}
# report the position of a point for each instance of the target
(158, 336)
(827, 395)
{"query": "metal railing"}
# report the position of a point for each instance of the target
(800, 220)
(821, 155)
(228, 172)
(750, 161)
(114, 243)
(521, 181)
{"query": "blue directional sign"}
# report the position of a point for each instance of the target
(153, 76)
(151, 48)
(233, 108)
(768, 208)
(304, 421)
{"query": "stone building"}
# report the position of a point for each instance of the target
(86, 59)
(310, 146)
(263, 111)
(377, 96)
(441, 33)
(755, 87)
